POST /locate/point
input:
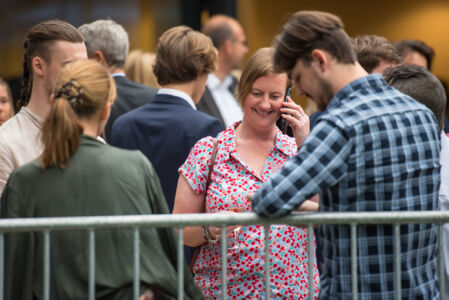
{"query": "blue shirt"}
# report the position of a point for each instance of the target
(374, 149)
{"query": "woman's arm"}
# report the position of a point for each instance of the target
(187, 201)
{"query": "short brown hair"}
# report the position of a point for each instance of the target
(420, 84)
(38, 42)
(372, 49)
(82, 89)
(406, 46)
(182, 55)
(309, 30)
(259, 65)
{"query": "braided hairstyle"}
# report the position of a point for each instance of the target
(82, 90)
(38, 42)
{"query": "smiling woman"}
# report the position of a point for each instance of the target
(247, 154)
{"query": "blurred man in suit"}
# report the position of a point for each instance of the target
(166, 128)
(229, 38)
(107, 42)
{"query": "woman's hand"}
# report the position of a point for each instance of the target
(297, 119)
(215, 231)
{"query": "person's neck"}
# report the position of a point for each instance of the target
(222, 71)
(39, 102)
(90, 128)
(344, 74)
(187, 88)
(115, 70)
(247, 132)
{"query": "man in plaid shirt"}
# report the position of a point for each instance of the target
(373, 149)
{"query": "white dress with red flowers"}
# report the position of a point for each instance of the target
(245, 263)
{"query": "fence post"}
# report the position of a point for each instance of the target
(354, 279)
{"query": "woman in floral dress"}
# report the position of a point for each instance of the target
(248, 153)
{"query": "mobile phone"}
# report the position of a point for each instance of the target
(283, 122)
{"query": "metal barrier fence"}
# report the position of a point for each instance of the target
(90, 224)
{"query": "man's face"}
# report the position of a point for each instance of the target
(62, 52)
(414, 58)
(309, 82)
(239, 46)
(382, 66)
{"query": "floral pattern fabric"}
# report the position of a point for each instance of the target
(245, 255)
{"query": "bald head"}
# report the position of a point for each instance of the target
(228, 37)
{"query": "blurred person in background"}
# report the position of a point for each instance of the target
(139, 68)
(108, 43)
(229, 38)
(6, 103)
(416, 52)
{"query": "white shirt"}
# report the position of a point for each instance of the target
(443, 197)
(228, 107)
(178, 93)
(20, 142)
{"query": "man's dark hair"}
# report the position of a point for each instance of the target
(309, 30)
(372, 49)
(38, 42)
(406, 46)
(420, 84)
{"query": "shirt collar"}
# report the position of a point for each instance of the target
(177, 93)
(372, 80)
(118, 74)
(33, 117)
(213, 82)
(282, 142)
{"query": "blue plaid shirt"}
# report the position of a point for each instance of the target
(374, 149)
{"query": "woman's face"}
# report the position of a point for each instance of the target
(261, 107)
(5, 105)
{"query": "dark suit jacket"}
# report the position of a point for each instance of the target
(130, 95)
(208, 106)
(165, 130)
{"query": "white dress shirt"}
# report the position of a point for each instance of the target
(229, 108)
(178, 93)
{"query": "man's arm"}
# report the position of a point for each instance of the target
(320, 163)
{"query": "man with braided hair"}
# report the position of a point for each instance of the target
(49, 45)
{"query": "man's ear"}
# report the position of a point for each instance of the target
(226, 47)
(98, 56)
(38, 66)
(321, 58)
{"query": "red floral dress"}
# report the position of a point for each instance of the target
(288, 246)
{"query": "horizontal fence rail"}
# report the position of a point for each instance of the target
(179, 221)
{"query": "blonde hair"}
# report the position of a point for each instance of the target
(82, 89)
(259, 65)
(182, 55)
(139, 67)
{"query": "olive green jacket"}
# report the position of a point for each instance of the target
(100, 180)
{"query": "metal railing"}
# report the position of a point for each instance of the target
(91, 224)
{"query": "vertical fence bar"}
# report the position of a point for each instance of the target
(310, 261)
(46, 265)
(91, 264)
(136, 263)
(266, 232)
(224, 263)
(441, 260)
(397, 260)
(2, 263)
(354, 275)
(180, 263)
